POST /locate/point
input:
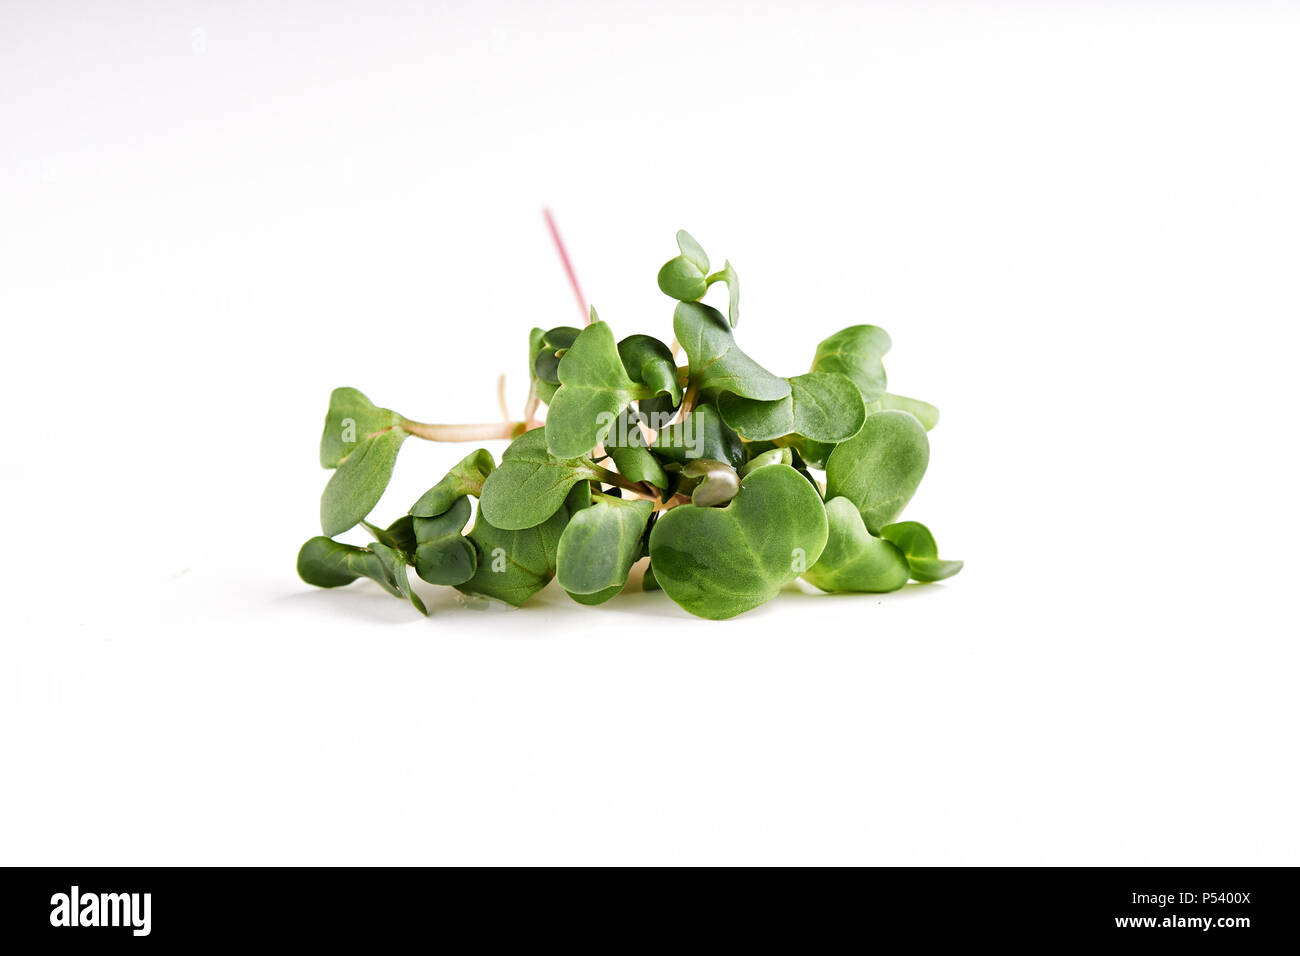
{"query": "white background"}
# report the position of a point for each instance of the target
(1077, 221)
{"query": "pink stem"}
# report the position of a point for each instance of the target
(568, 267)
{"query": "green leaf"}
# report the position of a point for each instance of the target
(626, 444)
(512, 566)
(880, 467)
(854, 560)
(359, 482)
(773, 456)
(822, 406)
(649, 362)
(692, 250)
(530, 485)
(600, 597)
(600, 545)
(728, 275)
(720, 562)
(330, 564)
(812, 452)
(443, 555)
(553, 344)
(594, 388)
(400, 535)
(701, 434)
(537, 345)
(924, 412)
(648, 580)
(682, 279)
(717, 363)
(915, 540)
(350, 419)
(856, 352)
(466, 477)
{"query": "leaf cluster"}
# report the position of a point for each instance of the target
(710, 469)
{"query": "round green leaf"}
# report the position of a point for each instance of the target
(649, 362)
(443, 555)
(917, 543)
(822, 406)
(925, 413)
(351, 418)
(692, 250)
(880, 467)
(720, 562)
(330, 564)
(512, 566)
(600, 545)
(773, 456)
(716, 362)
(854, 560)
(546, 361)
(856, 352)
(466, 477)
(682, 279)
(701, 434)
(359, 482)
(530, 485)
(594, 389)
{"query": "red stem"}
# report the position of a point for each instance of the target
(568, 266)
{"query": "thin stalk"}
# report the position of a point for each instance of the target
(485, 432)
(501, 397)
(614, 478)
(568, 267)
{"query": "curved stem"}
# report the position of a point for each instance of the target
(614, 478)
(464, 432)
(501, 397)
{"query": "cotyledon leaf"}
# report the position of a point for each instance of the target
(717, 364)
(924, 412)
(443, 555)
(720, 562)
(649, 362)
(530, 484)
(400, 535)
(536, 345)
(466, 477)
(350, 419)
(853, 560)
(701, 434)
(552, 344)
(600, 545)
(626, 444)
(856, 352)
(512, 566)
(359, 482)
(880, 467)
(915, 541)
(594, 388)
(683, 277)
(773, 456)
(692, 250)
(331, 564)
(822, 406)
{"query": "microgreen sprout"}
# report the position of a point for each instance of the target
(706, 469)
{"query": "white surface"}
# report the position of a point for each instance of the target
(1077, 223)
